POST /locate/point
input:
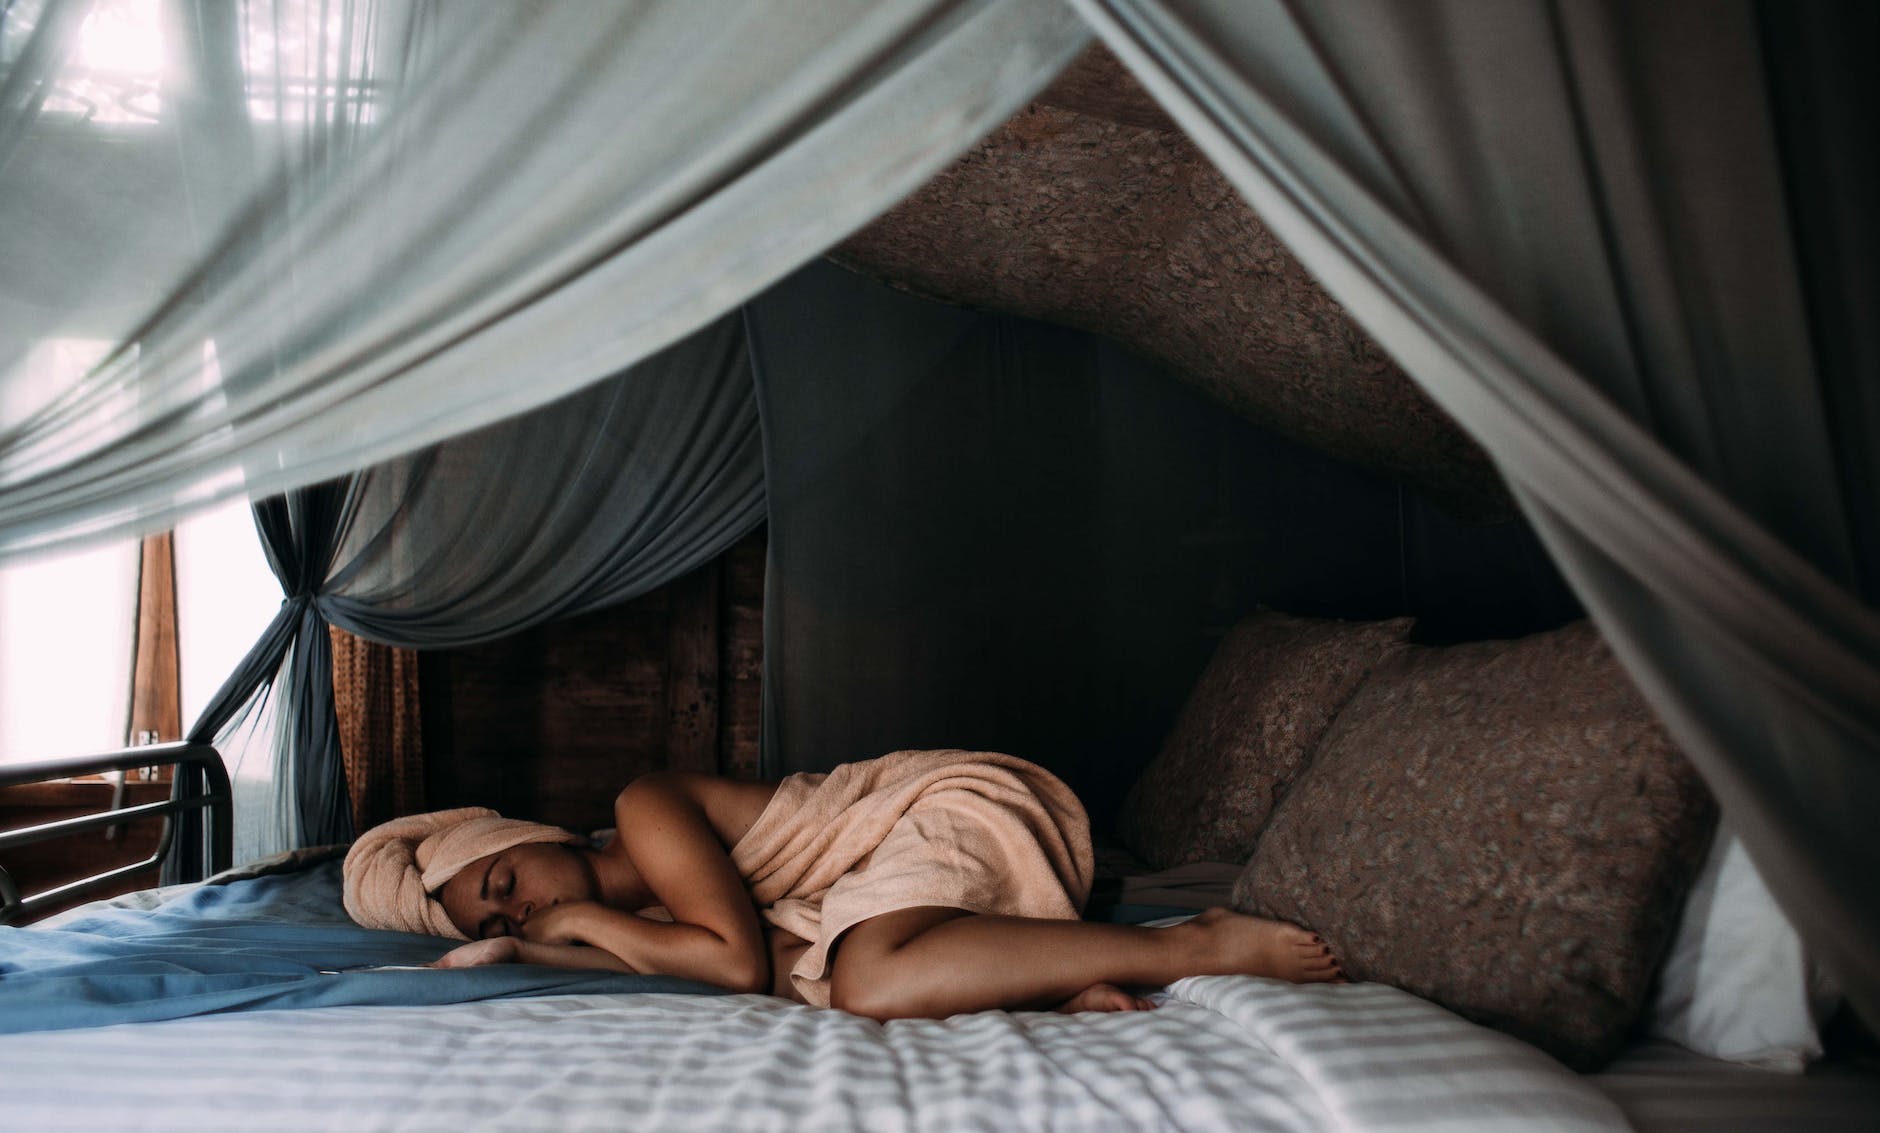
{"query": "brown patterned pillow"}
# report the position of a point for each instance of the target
(1259, 709)
(1502, 827)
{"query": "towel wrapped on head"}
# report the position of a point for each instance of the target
(392, 871)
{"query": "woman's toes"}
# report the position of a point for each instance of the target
(1315, 957)
(1257, 946)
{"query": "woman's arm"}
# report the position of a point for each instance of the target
(714, 936)
(589, 935)
(638, 944)
(511, 950)
(783, 946)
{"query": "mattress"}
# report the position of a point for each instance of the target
(291, 1046)
(1664, 1088)
(1660, 1086)
(1221, 1053)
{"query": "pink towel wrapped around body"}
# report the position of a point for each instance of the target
(980, 831)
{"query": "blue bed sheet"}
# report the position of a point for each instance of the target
(278, 941)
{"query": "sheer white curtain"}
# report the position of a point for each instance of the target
(311, 236)
(398, 220)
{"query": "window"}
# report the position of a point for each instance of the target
(225, 597)
(300, 61)
(67, 624)
(111, 76)
(79, 632)
(305, 63)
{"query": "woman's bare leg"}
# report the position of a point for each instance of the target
(785, 950)
(933, 962)
(1104, 997)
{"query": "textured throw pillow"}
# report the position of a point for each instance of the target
(1502, 827)
(1259, 709)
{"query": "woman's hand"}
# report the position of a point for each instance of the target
(515, 950)
(560, 924)
(495, 950)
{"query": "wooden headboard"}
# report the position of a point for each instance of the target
(551, 723)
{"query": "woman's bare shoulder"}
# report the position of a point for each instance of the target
(730, 806)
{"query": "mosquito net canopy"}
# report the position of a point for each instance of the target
(1629, 248)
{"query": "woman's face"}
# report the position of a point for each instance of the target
(496, 895)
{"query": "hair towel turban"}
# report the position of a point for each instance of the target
(392, 870)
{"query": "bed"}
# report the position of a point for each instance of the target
(748, 1062)
(285, 1008)
(238, 1002)
(249, 996)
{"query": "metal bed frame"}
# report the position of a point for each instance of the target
(189, 848)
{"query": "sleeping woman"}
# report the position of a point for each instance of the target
(920, 884)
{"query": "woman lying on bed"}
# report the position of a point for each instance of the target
(920, 884)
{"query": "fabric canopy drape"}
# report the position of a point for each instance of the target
(1631, 249)
(581, 504)
(254, 246)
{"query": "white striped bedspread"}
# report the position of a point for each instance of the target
(1222, 1053)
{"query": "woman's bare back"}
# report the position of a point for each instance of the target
(731, 806)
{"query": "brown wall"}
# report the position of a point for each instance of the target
(551, 723)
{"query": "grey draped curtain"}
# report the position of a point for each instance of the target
(1629, 248)
(255, 246)
(584, 503)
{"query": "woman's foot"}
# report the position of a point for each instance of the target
(1231, 943)
(1104, 997)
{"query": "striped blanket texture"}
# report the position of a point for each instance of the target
(1221, 1053)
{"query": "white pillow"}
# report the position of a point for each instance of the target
(1738, 984)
